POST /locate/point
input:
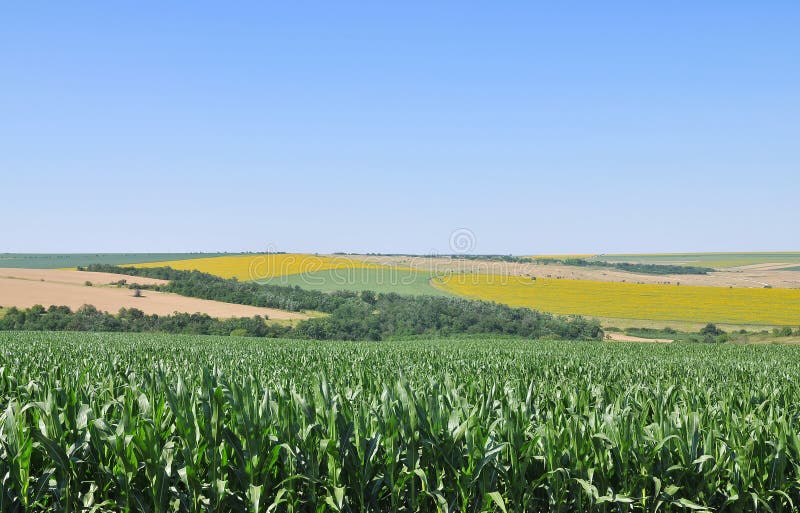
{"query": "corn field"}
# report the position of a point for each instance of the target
(156, 423)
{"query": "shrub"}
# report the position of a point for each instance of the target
(711, 329)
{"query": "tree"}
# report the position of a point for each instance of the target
(368, 296)
(137, 292)
(711, 329)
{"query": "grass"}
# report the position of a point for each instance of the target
(772, 339)
(263, 266)
(145, 422)
(718, 260)
(780, 307)
(312, 314)
(70, 260)
(684, 326)
(663, 334)
(383, 279)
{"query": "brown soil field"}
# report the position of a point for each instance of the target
(619, 337)
(24, 288)
(747, 276)
(74, 277)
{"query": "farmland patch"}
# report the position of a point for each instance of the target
(633, 301)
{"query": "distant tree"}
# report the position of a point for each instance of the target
(137, 292)
(711, 329)
(87, 283)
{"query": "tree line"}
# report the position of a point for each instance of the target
(89, 318)
(351, 315)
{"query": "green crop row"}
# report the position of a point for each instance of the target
(152, 423)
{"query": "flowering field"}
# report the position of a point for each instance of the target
(632, 301)
(263, 266)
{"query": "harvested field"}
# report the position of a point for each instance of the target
(758, 277)
(27, 287)
(74, 277)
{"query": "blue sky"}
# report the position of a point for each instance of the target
(385, 126)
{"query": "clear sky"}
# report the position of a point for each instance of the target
(553, 127)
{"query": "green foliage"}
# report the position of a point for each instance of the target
(88, 318)
(146, 422)
(661, 333)
(208, 286)
(369, 316)
(368, 297)
(711, 329)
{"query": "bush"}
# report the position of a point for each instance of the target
(711, 329)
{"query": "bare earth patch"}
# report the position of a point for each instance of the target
(619, 337)
(24, 288)
(759, 276)
(74, 277)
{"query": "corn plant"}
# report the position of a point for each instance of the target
(157, 423)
